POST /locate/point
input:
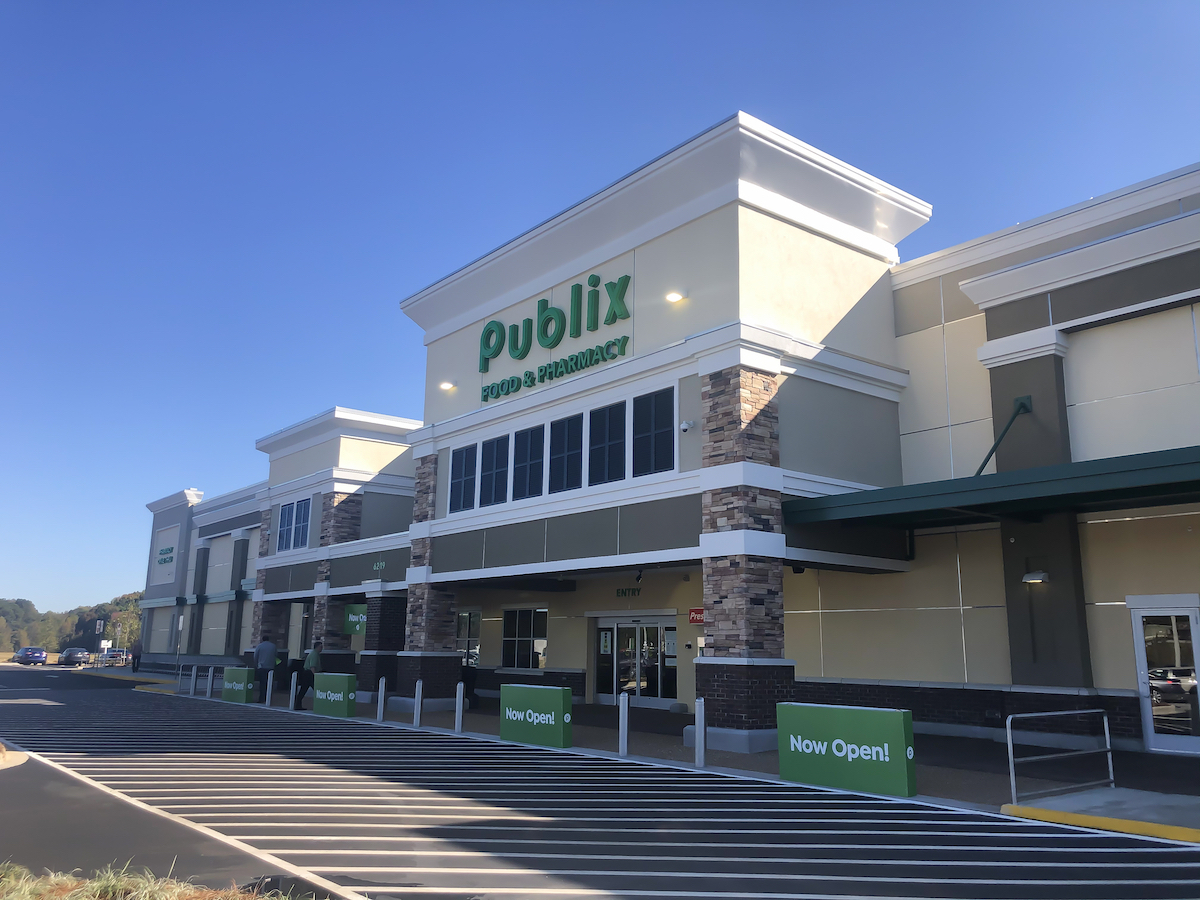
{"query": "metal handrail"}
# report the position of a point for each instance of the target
(1012, 759)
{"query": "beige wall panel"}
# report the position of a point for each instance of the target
(981, 567)
(160, 629)
(970, 388)
(932, 581)
(247, 625)
(690, 410)
(454, 359)
(212, 638)
(252, 554)
(376, 456)
(1130, 357)
(970, 443)
(800, 591)
(304, 462)
(925, 455)
(986, 634)
(802, 642)
(220, 564)
(923, 402)
(491, 636)
(807, 286)
(896, 644)
(1110, 638)
(295, 630)
(1140, 423)
(1145, 556)
(566, 641)
(699, 259)
(686, 659)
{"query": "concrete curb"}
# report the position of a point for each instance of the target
(1104, 823)
(151, 689)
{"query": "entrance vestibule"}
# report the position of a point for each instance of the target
(1164, 627)
(637, 656)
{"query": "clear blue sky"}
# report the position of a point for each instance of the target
(209, 212)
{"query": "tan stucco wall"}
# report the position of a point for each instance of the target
(911, 626)
(1134, 386)
(1136, 552)
(212, 638)
(160, 629)
(376, 456)
(305, 462)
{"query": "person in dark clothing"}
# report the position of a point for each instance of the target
(264, 663)
(308, 675)
(136, 652)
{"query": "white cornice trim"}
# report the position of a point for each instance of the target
(1114, 254)
(333, 422)
(743, 543)
(342, 481)
(335, 551)
(562, 566)
(1026, 345)
(849, 560)
(186, 497)
(1117, 204)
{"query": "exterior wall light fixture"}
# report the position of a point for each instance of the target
(1038, 577)
(446, 385)
(675, 297)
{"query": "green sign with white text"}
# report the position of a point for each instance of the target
(355, 621)
(855, 748)
(237, 685)
(335, 694)
(533, 714)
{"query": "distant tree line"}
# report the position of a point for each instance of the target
(21, 625)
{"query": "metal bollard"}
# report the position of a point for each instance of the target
(382, 699)
(623, 725)
(458, 708)
(701, 733)
(192, 689)
(208, 687)
(270, 688)
(417, 702)
(294, 692)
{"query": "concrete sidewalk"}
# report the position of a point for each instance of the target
(1174, 817)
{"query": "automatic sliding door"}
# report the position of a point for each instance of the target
(627, 659)
(649, 661)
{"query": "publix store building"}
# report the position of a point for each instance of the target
(703, 435)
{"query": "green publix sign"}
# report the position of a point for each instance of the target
(851, 747)
(551, 327)
(535, 714)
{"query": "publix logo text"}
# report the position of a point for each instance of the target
(841, 749)
(531, 717)
(551, 326)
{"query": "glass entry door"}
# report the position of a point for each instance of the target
(638, 659)
(1167, 677)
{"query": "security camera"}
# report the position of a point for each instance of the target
(685, 427)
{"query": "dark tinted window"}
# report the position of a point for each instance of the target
(654, 432)
(606, 457)
(462, 479)
(493, 471)
(566, 454)
(528, 447)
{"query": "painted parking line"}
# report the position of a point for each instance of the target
(387, 811)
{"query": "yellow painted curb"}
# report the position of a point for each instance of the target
(154, 690)
(1104, 823)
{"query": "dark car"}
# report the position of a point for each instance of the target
(1171, 685)
(74, 656)
(31, 656)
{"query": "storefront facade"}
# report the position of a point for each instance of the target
(703, 435)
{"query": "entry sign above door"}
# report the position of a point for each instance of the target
(851, 747)
(696, 616)
(356, 619)
(535, 714)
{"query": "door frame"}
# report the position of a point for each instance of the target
(635, 619)
(1140, 606)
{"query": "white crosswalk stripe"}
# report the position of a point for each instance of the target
(389, 812)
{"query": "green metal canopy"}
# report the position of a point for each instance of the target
(1123, 482)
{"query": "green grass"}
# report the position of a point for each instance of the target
(18, 883)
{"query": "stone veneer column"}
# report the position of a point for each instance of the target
(430, 627)
(742, 674)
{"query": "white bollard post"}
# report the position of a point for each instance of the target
(270, 688)
(417, 703)
(295, 690)
(208, 687)
(701, 733)
(623, 724)
(382, 699)
(192, 689)
(458, 708)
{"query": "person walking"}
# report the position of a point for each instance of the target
(308, 675)
(136, 652)
(264, 662)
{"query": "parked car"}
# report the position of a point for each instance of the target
(1171, 685)
(31, 656)
(74, 656)
(114, 658)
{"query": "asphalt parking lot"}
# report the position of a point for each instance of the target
(384, 811)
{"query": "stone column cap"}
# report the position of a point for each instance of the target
(743, 661)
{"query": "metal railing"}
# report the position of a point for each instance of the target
(1067, 754)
